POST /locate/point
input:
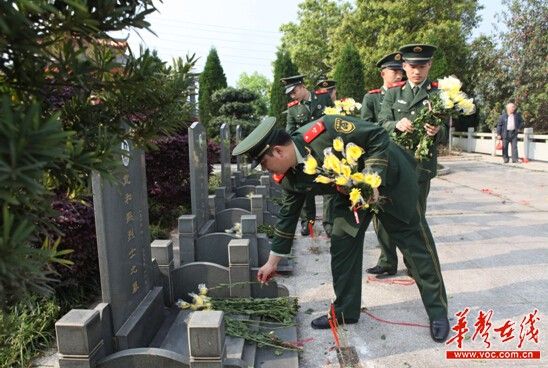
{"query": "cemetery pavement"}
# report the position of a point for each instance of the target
(490, 223)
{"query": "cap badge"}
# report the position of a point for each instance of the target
(324, 84)
(417, 49)
(397, 57)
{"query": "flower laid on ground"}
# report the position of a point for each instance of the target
(274, 313)
(340, 168)
(236, 230)
(449, 101)
(344, 106)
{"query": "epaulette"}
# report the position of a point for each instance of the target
(396, 84)
(322, 91)
(317, 129)
(278, 177)
(377, 90)
(293, 103)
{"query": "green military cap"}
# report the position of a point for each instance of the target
(417, 53)
(257, 143)
(390, 61)
(290, 83)
(326, 83)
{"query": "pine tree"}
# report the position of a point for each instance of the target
(283, 67)
(236, 107)
(211, 79)
(349, 74)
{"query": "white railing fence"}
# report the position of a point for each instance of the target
(530, 146)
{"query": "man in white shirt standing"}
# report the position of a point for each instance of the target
(507, 129)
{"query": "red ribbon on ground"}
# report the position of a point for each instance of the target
(392, 280)
(410, 324)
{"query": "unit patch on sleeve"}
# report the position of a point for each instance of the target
(317, 129)
(343, 126)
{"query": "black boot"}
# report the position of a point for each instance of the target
(439, 329)
(379, 270)
(322, 323)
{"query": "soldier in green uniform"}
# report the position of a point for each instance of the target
(283, 155)
(391, 74)
(400, 105)
(306, 106)
(329, 85)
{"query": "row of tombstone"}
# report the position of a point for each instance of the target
(137, 324)
(202, 235)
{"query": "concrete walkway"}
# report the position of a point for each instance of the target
(490, 223)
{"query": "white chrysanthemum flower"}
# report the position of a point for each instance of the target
(451, 84)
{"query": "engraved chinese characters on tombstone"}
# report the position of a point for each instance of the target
(197, 146)
(225, 157)
(123, 240)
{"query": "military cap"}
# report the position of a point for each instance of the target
(257, 143)
(326, 83)
(290, 83)
(390, 61)
(417, 53)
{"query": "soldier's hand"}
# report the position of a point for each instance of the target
(404, 125)
(431, 130)
(268, 270)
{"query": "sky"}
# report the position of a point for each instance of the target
(244, 32)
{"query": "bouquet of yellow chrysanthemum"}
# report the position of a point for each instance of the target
(450, 101)
(344, 106)
(340, 168)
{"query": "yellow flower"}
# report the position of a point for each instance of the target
(346, 171)
(338, 144)
(332, 163)
(358, 177)
(331, 111)
(202, 289)
(197, 300)
(353, 153)
(458, 97)
(356, 197)
(310, 165)
(446, 100)
(323, 179)
(467, 106)
(342, 180)
(450, 84)
(374, 180)
(182, 304)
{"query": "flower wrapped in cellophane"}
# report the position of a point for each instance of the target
(340, 168)
(344, 106)
(449, 101)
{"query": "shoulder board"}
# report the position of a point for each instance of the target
(396, 84)
(322, 91)
(434, 84)
(278, 177)
(293, 103)
(378, 90)
(317, 129)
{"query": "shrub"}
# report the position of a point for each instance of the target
(26, 328)
(76, 224)
(168, 178)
